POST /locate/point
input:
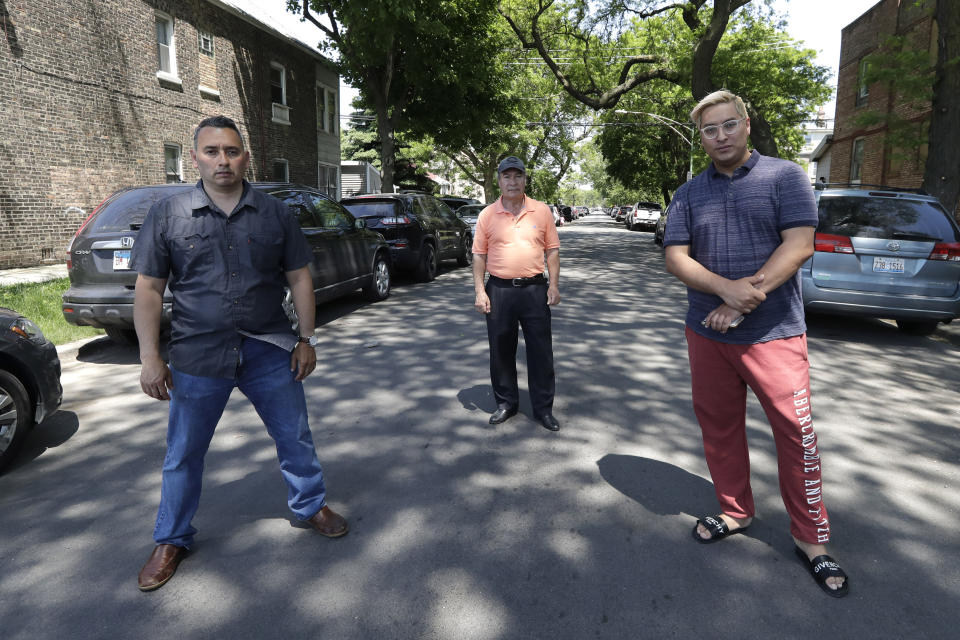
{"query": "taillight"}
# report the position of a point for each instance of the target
(946, 251)
(85, 223)
(832, 244)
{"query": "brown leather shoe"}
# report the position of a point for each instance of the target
(161, 566)
(329, 523)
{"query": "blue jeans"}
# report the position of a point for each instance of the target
(196, 404)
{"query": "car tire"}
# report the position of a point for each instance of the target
(379, 286)
(917, 327)
(125, 337)
(427, 269)
(465, 259)
(16, 417)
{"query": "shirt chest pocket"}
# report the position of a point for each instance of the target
(192, 252)
(266, 251)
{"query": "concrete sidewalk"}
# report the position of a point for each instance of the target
(32, 274)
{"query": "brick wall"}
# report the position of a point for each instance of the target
(83, 113)
(880, 165)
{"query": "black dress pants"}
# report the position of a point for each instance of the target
(525, 307)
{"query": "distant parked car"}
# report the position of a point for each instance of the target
(660, 229)
(469, 214)
(884, 253)
(29, 381)
(643, 216)
(346, 255)
(557, 217)
(621, 213)
(455, 202)
(420, 230)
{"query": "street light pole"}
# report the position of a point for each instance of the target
(669, 122)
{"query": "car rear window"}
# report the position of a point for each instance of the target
(372, 208)
(885, 218)
(127, 210)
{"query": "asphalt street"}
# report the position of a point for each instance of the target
(463, 531)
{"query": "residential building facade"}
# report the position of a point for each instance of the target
(101, 95)
(861, 153)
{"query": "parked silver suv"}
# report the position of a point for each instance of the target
(884, 253)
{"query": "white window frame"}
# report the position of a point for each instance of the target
(173, 146)
(280, 111)
(326, 121)
(286, 169)
(169, 75)
(205, 36)
(323, 185)
(856, 160)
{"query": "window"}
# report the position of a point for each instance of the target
(299, 205)
(278, 93)
(281, 170)
(863, 90)
(172, 163)
(331, 214)
(328, 180)
(205, 42)
(856, 160)
(326, 109)
(166, 48)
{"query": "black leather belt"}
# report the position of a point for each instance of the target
(520, 282)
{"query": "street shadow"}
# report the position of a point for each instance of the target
(53, 432)
(660, 487)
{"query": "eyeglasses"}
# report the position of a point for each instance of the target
(729, 127)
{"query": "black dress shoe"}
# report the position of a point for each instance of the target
(547, 421)
(502, 414)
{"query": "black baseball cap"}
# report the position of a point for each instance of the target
(511, 162)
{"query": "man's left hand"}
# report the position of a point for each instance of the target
(303, 360)
(553, 295)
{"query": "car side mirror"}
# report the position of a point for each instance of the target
(360, 223)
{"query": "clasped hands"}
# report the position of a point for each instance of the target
(740, 297)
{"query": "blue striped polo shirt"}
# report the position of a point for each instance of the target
(732, 225)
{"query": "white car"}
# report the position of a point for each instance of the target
(643, 216)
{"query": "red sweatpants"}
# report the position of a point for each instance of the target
(779, 374)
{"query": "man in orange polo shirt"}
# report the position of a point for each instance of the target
(515, 236)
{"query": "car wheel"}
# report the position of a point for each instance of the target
(15, 416)
(125, 337)
(379, 286)
(427, 270)
(466, 255)
(917, 327)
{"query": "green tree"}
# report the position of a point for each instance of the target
(415, 62)
(362, 142)
(606, 56)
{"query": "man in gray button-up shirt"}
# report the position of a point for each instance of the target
(227, 251)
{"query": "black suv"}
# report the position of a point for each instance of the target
(420, 230)
(346, 255)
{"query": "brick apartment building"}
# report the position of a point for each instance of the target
(862, 154)
(99, 95)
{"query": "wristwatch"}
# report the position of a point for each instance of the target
(312, 340)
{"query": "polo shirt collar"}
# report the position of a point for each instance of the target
(527, 207)
(199, 198)
(744, 168)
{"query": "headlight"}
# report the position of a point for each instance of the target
(26, 329)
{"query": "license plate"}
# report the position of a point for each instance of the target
(121, 260)
(887, 265)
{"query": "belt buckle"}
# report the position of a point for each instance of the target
(517, 282)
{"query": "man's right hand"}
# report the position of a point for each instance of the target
(155, 377)
(482, 303)
(743, 294)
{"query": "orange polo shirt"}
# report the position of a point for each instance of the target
(514, 246)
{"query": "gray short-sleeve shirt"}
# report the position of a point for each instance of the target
(226, 273)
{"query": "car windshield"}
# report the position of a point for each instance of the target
(885, 218)
(127, 210)
(370, 209)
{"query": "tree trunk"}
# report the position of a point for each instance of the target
(760, 133)
(941, 177)
(385, 130)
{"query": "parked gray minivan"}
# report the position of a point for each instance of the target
(885, 253)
